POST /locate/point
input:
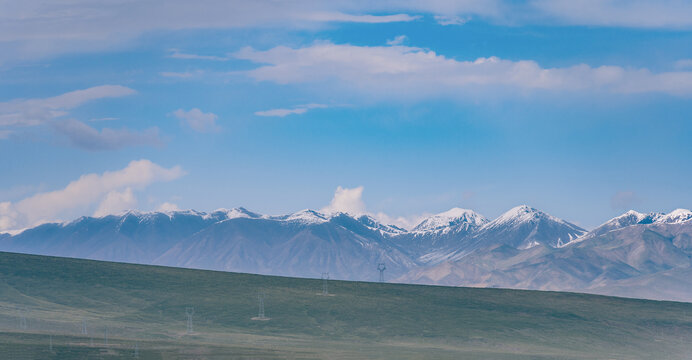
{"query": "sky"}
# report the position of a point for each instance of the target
(399, 109)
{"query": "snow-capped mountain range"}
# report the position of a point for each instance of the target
(522, 248)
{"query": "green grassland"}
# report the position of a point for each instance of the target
(144, 307)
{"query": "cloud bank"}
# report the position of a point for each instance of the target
(410, 72)
(34, 28)
(111, 190)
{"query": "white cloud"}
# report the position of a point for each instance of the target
(86, 137)
(300, 109)
(81, 194)
(347, 200)
(198, 120)
(398, 40)
(401, 71)
(115, 202)
(29, 112)
(350, 201)
(445, 20)
(167, 206)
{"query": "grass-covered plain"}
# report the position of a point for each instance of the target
(143, 307)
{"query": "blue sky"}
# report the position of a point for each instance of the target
(580, 112)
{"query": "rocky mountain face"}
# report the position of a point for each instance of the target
(631, 255)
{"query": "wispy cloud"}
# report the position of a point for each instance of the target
(103, 119)
(683, 64)
(176, 54)
(661, 14)
(198, 120)
(109, 190)
(300, 109)
(401, 71)
(181, 75)
(30, 112)
(624, 200)
(446, 20)
(335, 16)
(86, 137)
(31, 29)
(398, 40)
(53, 110)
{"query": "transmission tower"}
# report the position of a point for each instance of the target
(22, 318)
(136, 353)
(84, 327)
(260, 314)
(105, 337)
(325, 278)
(50, 344)
(381, 268)
(189, 311)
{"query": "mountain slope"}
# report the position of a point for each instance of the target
(340, 245)
(524, 227)
(440, 234)
(628, 255)
(129, 237)
(523, 248)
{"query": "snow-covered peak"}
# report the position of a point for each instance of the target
(451, 218)
(629, 218)
(306, 216)
(373, 224)
(677, 216)
(239, 212)
(522, 214)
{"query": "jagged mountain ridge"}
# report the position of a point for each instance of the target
(523, 248)
(629, 259)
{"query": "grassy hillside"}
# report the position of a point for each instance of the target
(144, 307)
